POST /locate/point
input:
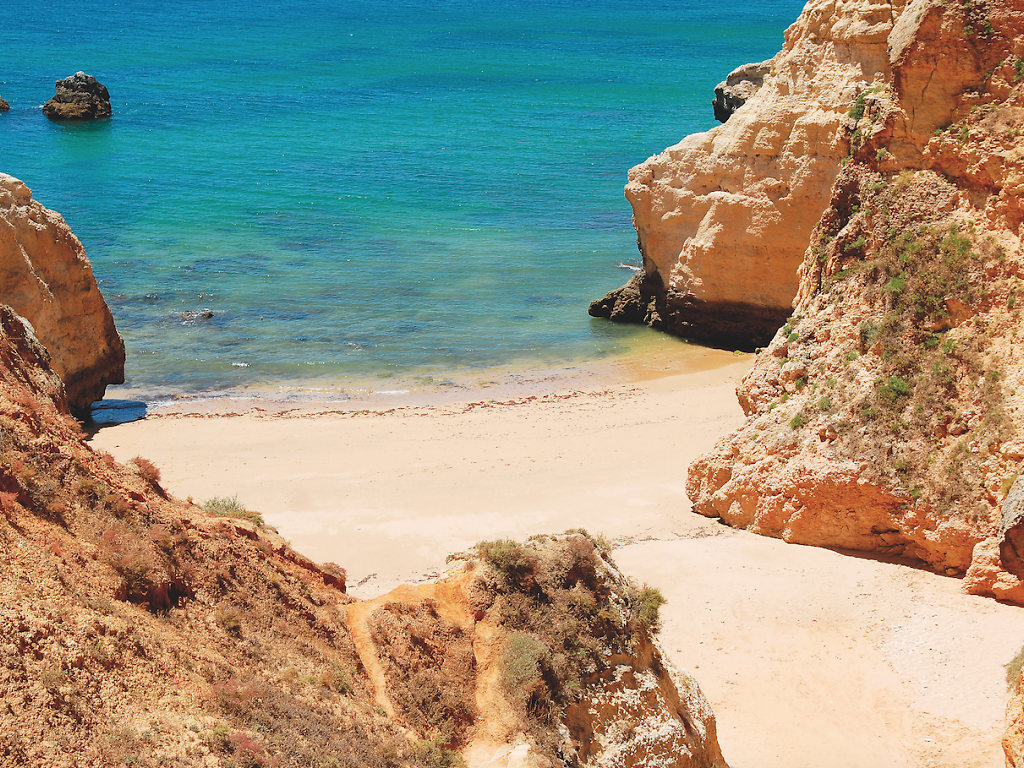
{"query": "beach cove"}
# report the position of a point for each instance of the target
(808, 657)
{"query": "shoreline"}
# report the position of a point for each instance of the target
(654, 358)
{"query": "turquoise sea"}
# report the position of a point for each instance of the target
(361, 191)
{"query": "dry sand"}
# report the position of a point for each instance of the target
(809, 657)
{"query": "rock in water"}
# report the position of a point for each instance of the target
(733, 92)
(79, 97)
(46, 278)
(4, 106)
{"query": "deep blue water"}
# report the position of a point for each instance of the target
(361, 190)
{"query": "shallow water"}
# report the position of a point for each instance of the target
(358, 191)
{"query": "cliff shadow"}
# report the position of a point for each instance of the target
(108, 413)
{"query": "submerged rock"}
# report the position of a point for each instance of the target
(79, 97)
(4, 106)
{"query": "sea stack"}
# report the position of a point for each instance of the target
(79, 97)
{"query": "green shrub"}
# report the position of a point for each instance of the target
(797, 421)
(521, 655)
(650, 601)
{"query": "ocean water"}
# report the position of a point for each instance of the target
(362, 191)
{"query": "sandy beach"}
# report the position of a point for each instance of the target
(808, 657)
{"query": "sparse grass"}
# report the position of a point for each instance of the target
(230, 507)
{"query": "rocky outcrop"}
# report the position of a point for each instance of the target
(46, 277)
(887, 414)
(78, 97)
(4, 106)
(723, 217)
(733, 92)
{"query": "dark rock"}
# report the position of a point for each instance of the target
(79, 97)
(635, 302)
(4, 106)
(733, 92)
(644, 300)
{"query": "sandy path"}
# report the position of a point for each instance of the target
(810, 658)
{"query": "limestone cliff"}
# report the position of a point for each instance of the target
(886, 414)
(46, 277)
(723, 217)
(138, 629)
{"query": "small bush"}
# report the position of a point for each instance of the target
(148, 471)
(797, 421)
(650, 601)
(520, 661)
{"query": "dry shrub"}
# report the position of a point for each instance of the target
(430, 668)
(148, 471)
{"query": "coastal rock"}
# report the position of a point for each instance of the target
(46, 277)
(887, 414)
(4, 106)
(723, 217)
(733, 92)
(78, 97)
(635, 302)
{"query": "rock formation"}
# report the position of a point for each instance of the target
(138, 629)
(4, 106)
(79, 97)
(46, 277)
(723, 217)
(887, 414)
(736, 90)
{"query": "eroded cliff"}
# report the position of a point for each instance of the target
(723, 217)
(886, 414)
(46, 277)
(138, 629)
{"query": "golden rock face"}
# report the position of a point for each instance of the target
(46, 278)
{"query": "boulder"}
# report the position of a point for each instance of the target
(46, 278)
(4, 106)
(79, 97)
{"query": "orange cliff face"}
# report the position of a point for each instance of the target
(887, 414)
(46, 277)
(723, 217)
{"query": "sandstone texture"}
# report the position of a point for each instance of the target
(723, 217)
(46, 277)
(887, 414)
(78, 97)
(733, 92)
(139, 629)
